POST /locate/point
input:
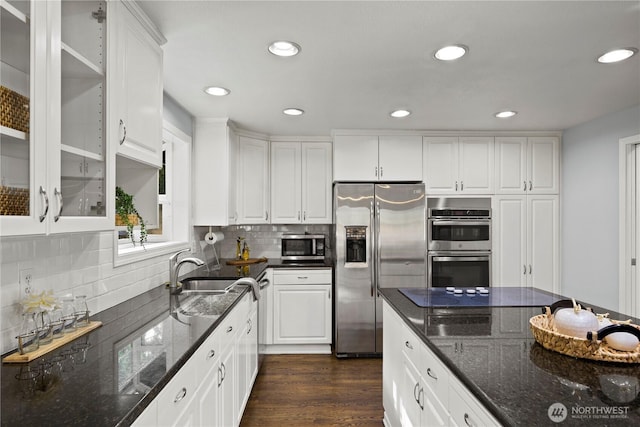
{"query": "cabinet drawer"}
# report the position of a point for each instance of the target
(173, 400)
(298, 277)
(207, 354)
(465, 409)
(436, 377)
(413, 348)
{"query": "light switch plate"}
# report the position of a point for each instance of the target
(26, 282)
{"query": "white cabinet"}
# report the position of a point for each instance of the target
(213, 386)
(458, 165)
(418, 390)
(526, 242)
(176, 400)
(213, 163)
(136, 95)
(55, 167)
(377, 158)
(302, 306)
(527, 165)
(301, 182)
(253, 180)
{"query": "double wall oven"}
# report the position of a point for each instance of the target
(459, 242)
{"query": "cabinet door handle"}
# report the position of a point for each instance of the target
(421, 398)
(408, 345)
(415, 394)
(381, 172)
(376, 172)
(304, 216)
(329, 294)
(524, 188)
(211, 354)
(303, 277)
(181, 394)
(456, 185)
(58, 195)
(298, 215)
(461, 185)
(229, 329)
(266, 215)
(530, 186)
(224, 372)
(250, 326)
(529, 268)
(524, 268)
(43, 193)
(467, 420)
(431, 374)
(124, 134)
(219, 376)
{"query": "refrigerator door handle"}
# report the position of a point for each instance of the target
(373, 245)
(377, 246)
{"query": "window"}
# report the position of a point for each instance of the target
(173, 201)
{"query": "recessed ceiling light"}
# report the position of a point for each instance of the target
(505, 114)
(617, 55)
(284, 48)
(217, 91)
(400, 113)
(449, 53)
(293, 111)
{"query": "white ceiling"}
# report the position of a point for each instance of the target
(362, 59)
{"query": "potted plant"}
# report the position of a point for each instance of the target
(127, 214)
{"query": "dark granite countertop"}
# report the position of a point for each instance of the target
(107, 377)
(492, 351)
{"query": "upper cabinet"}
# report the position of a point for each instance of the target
(458, 165)
(301, 182)
(136, 99)
(24, 191)
(527, 165)
(214, 163)
(377, 158)
(62, 64)
(253, 180)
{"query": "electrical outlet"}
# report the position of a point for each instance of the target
(26, 281)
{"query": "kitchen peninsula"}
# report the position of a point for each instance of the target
(482, 366)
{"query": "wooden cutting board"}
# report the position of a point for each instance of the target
(246, 261)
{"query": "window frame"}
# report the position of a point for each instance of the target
(179, 151)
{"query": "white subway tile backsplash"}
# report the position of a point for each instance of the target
(75, 263)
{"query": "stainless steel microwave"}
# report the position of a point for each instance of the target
(303, 247)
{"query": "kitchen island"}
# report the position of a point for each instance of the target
(491, 353)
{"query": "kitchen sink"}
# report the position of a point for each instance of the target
(205, 285)
(204, 305)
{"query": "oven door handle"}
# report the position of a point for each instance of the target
(437, 222)
(459, 258)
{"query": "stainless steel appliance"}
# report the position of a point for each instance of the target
(380, 241)
(459, 242)
(303, 247)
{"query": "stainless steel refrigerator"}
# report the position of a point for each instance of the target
(380, 242)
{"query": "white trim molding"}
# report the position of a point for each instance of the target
(628, 294)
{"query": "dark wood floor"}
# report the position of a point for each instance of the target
(318, 390)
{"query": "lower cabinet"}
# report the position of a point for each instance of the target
(418, 390)
(213, 387)
(302, 304)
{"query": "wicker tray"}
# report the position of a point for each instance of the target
(577, 347)
(14, 201)
(14, 110)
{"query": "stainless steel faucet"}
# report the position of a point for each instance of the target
(174, 267)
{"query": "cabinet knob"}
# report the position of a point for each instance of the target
(408, 345)
(211, 354)
(229, 329)
(467, 420)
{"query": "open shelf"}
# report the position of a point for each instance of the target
(14, 134)
(75, 65)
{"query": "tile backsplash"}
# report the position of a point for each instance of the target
(75, 263)
(82, 264)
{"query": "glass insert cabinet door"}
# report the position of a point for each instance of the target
(16, 192)
(82, 122)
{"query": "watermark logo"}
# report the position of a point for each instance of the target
(557, 412)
